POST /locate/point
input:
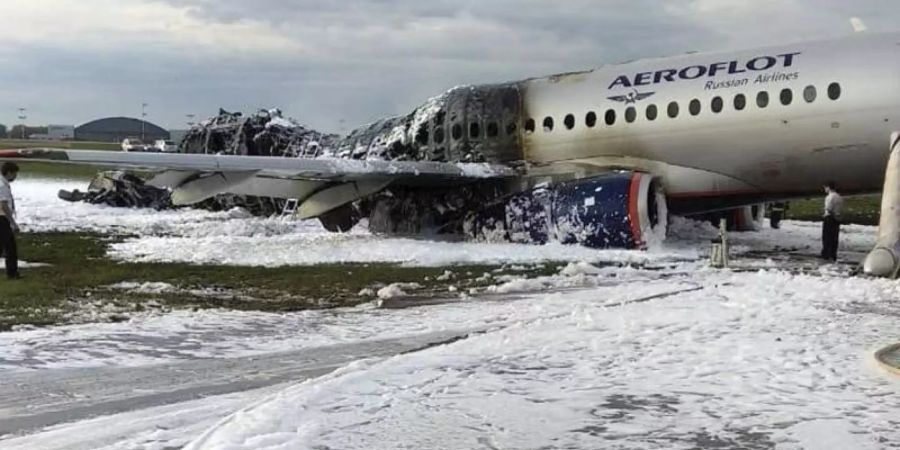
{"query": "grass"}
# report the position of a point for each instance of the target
(862, 209)
(80, 269)
(61, 171)
(74, 145)
(54, 170)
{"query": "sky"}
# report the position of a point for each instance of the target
(334, 65)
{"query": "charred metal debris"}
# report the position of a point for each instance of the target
(465, 124)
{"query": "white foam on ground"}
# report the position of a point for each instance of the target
(157, 428)
(150, 287)
(179, 335)
(758, 360)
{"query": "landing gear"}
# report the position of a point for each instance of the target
(776, 214)
(884, 260)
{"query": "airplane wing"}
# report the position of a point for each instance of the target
(319, 184)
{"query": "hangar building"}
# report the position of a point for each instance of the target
(116, 129)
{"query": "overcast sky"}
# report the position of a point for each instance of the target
(337, 64)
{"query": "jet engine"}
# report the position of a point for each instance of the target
(615, 210)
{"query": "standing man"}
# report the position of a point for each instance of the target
(8, 226)
(831, 222)
(776, 213)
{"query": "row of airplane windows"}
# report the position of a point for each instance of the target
(717, 105)
(651, 112)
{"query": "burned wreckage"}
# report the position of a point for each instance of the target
(473, 124)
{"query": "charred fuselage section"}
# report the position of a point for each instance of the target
(265, 133)
(465, 124)
(469, 124)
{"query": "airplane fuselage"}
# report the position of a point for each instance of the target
(742, 126)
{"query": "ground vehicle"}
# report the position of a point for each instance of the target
(133, 145)
(165, 146)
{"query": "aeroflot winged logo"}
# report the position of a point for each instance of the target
(632, 97)
(758, 64)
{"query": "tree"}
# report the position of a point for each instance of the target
(16, 131)
(3, 131)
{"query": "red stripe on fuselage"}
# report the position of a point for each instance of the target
(634, 212)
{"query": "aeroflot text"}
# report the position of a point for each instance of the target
(759, 64)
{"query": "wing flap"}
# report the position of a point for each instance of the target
(207, 186)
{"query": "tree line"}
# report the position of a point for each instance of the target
(17, 131)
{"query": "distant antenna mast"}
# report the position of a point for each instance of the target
(858, 25)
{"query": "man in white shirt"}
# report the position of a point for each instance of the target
(8, 226)
(831, 222)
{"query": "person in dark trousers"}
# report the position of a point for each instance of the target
(8, 226)
(831, 222)
(776, 214)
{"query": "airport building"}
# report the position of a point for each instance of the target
(60, 132)
(116, 129)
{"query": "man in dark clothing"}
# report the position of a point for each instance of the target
(831, 222)
(8, 226)
(776, 214)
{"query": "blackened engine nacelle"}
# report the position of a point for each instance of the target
(616, 210)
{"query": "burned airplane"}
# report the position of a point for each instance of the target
(598, 158)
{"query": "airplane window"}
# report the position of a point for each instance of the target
(809, 94)
(610, 117)
(652, 112)
(439, 136)
(456, 132)
(529, 126)
(740, 102)
(834, 91)
(511, 129)
(590, 119)
(762, 99)
(694, 107)
(630, 114)
(492, 130)
(548, 124)
(787, 97)
(422, 135)
(673, 110)
(717, 104)
(570, 121)
(474, 130)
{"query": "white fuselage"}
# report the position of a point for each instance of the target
(776, 151)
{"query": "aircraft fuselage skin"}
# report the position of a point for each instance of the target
(791, 118)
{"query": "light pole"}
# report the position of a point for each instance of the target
(143, 120)
(22, 118)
